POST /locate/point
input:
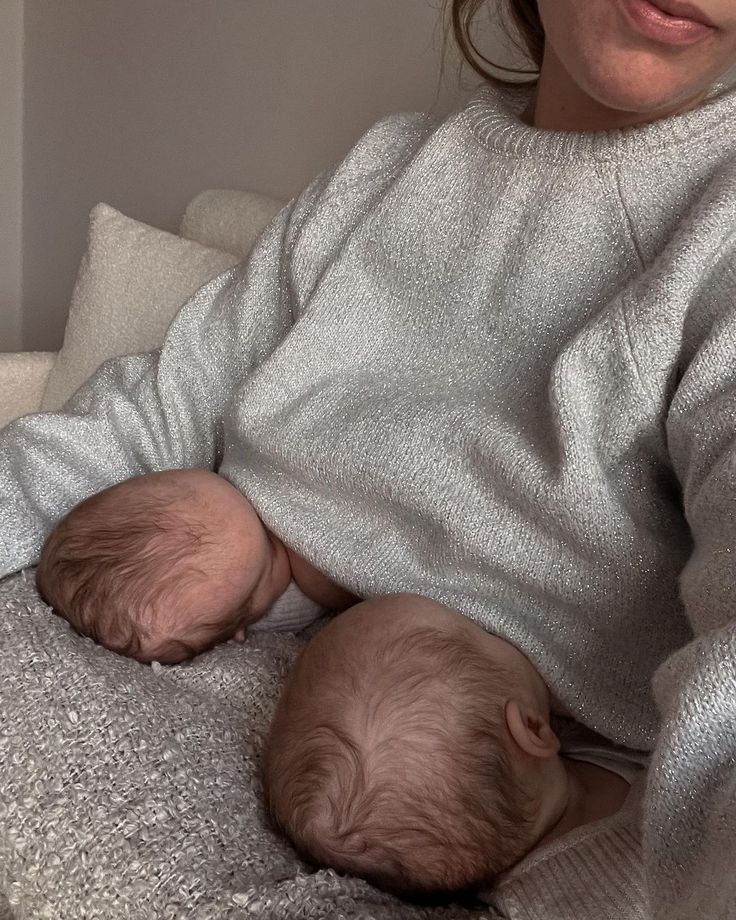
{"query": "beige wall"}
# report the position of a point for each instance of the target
(143, 103)
(11, 171)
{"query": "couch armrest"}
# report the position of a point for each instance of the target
(22, 381)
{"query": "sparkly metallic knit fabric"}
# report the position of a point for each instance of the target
(489, 364)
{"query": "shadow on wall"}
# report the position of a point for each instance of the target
(143, 104)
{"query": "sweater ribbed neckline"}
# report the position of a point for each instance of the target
(493, 113)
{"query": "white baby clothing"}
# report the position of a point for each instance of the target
(291, 612)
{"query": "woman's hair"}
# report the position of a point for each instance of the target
(525, 17)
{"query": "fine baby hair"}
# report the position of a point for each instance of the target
(394, 764)
(143, 568)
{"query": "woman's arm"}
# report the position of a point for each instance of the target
(165, 409)
(153, 411)
(690, 806)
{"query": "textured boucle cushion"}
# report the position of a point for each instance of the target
(132, 792)
(228, 219)
(131, 282)
(23, 377)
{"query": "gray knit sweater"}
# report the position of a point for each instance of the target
(489, 364)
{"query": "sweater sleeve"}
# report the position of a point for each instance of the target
(167, 409)
(153, 411)
(689, 833)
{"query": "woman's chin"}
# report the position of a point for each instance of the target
(644, 100)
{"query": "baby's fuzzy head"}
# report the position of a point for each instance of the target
(162, 566)
(390, 756)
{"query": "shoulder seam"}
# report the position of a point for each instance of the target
(643, 383)
(617, 200)
(628, 219)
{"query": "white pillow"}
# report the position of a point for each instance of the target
(228, 219)
(130, 285)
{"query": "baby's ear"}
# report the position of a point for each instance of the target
(531, 730)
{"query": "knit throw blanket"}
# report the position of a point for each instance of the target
(132, 791)
(129, 791)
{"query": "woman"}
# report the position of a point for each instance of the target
(489, 361)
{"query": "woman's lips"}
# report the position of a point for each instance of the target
(654, 22)
(683, 11)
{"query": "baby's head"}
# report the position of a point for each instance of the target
(412, 748)
(163, 566)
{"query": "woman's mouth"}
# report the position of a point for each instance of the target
(668, 21)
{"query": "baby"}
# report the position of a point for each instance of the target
(163, 566)
(413, 748)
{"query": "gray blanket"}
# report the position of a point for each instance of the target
(130, 791)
